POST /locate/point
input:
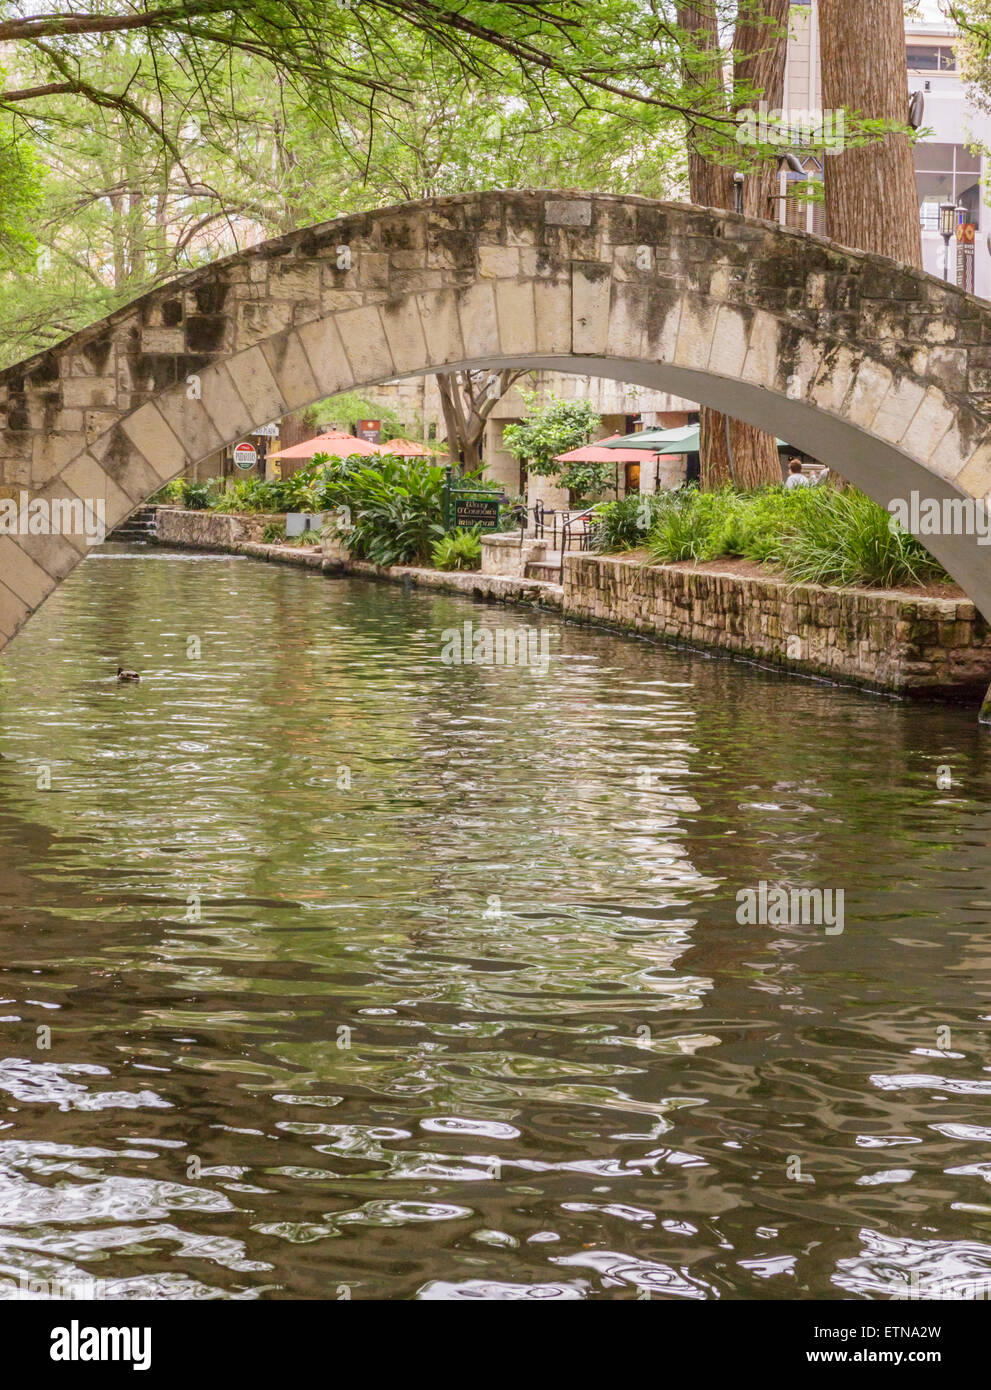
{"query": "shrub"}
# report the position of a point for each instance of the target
(396, 509)
(684, 526)
(626, 524)
(555, 426)
(273, 533)
(845, 538)
(815, 535)
(171, 492)
(458, 550)
(194, 496)
(240, 495)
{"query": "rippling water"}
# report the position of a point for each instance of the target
(481, 1023)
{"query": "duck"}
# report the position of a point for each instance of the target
(123, 675)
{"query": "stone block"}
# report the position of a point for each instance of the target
(13, 611)
(591, 284)
(404, 335)
(148, 431)
(22, 574)
(256, 385)
(363, 335)
(553, 316)
(329, 366)
(567, 212)
(516, 317)
(441, 326)
(479, 325)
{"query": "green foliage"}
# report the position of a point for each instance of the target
(152, 162)
(300, 492)
(458, 550)
(350, 407)
(513, 514)
(624, 524)
(171, 492)
(816, 535)
(20, 198)
(848, 539)
(550, 426)
(553, 426)
(273, 532)
(195, 497)
(395, 508)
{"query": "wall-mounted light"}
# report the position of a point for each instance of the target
(738, 192)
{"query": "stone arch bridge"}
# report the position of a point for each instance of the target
(877, 369)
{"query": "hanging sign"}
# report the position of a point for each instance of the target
(965, 256)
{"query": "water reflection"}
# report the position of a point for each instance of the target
(365, 974)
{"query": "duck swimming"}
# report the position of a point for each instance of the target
(123, 675)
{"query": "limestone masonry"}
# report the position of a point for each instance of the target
(882, 371)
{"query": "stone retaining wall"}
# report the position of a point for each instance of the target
(211, 530)
(502, 553)
(878, 638)
(234, 534)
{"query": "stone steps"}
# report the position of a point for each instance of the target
(547, 568)
(139, 527)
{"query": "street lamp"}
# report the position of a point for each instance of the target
(947, 227)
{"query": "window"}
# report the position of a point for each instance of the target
(931, 57)
(947, 174)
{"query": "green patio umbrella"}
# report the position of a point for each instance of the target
(683, 439)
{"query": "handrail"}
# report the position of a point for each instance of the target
(566, 525)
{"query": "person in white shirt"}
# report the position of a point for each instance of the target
(796, 478)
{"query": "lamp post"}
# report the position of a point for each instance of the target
(947, 226)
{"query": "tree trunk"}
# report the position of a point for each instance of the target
(467, 400)
(760, 51)
(871, 199)
(738, 453)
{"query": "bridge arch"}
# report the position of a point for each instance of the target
(881, 371)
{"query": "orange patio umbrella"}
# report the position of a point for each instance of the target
(406, 449)
(334, 442)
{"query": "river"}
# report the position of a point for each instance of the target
(332, 970)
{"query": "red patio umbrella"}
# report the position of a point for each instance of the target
(335, 443)
(595, 453)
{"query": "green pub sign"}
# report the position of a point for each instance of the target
(476, 511)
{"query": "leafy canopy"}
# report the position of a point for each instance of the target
(553, 426)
